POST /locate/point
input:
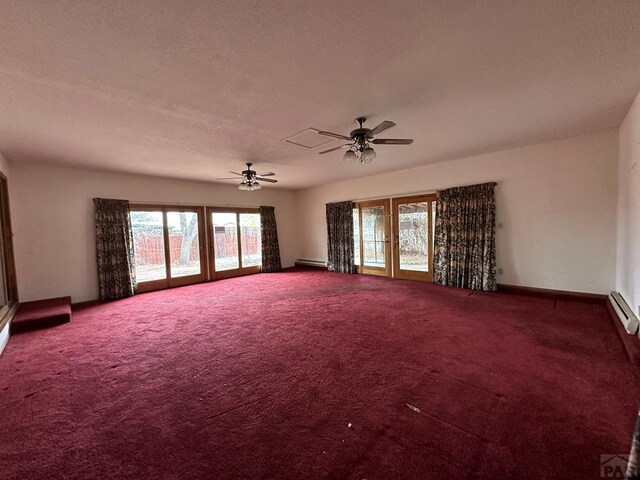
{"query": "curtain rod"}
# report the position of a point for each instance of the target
(410, 194)
(430, 192)
(181, 204)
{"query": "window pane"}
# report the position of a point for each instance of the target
(413, 236)
(225, 235)
(10, 293)
(184, 243)
(250, 239)
(373, 236)
(356, 237)
(433, 227)
(148, 238)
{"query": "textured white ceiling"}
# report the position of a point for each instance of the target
(192, 89)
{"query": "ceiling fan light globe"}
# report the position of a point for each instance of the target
(368, 155)
(349, 156)
(244, 186)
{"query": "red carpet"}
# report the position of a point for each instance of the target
(258, 378)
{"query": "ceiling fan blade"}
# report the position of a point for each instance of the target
(334, 135)
(392, 141)
(335, 148)
(268, 174)
(236, 173)
(382, 127)
(227, 178)
(268, 180)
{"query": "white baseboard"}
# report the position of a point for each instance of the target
(311, 263)
(624, 312)
(4, 337)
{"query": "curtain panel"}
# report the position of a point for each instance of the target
(632, 466)
(270, 246)
(464, 237)
(114, 249)
(340, 256)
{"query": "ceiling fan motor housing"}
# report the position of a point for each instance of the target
(248, 172)
(361, 135)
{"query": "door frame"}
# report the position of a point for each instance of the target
(369, 270)
(412, 274)
(235, 272)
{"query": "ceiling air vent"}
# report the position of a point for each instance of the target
(308, 138)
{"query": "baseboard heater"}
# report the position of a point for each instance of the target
(311, 263)
(625, 314)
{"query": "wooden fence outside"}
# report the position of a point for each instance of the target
(149, 247)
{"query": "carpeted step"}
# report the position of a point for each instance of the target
(41, 314)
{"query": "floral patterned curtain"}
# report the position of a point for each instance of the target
(114, 249)
(340, 257)
(632, 467)
(465, 246)
(270, 247)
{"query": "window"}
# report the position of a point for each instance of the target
(356, 237)
(236, 243)
(412, 219)
(371, 237)
(168, 243)
(148, 241)
(250, 239)
(184, 244)
(8, 285)
(171, 248)
(225, 244)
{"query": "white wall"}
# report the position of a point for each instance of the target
(556, 202)
(628, 261)
(54, 237)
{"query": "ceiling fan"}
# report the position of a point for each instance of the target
(360, 140)
(250, 178)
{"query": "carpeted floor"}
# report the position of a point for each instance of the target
(307, 374)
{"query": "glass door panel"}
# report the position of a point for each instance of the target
(236, 242)
(167, 246)
(250, 240)
(356, 237)
(374, 237)
(148, 240)
(413, 237)
(225, 241)
(432, 233)
(184, 244)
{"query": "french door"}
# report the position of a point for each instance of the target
(413, 222)
(372, 238)
(168, 246)
(412, 219)
(235, 244)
